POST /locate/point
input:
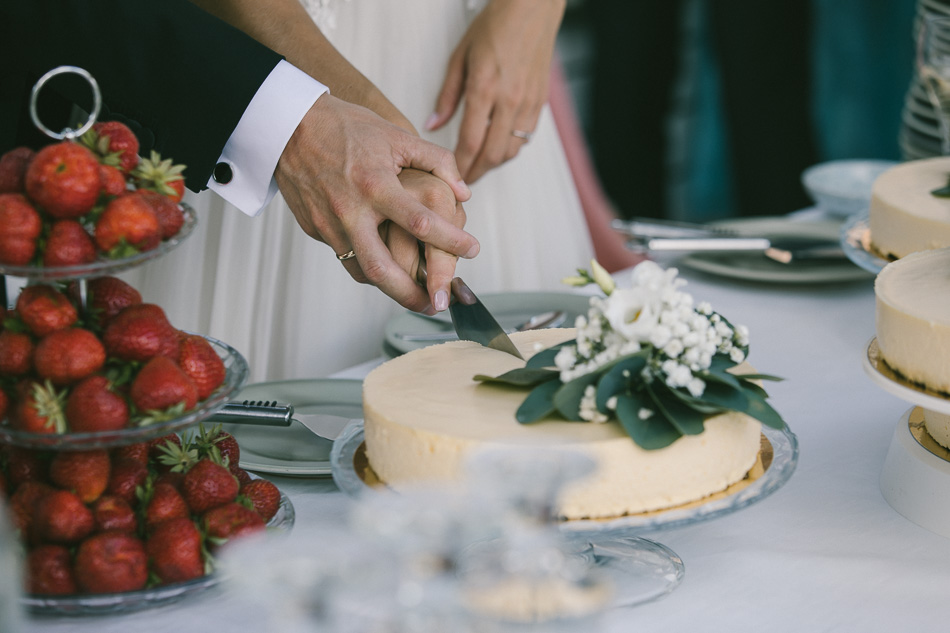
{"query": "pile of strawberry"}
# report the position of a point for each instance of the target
(74, 202)
(136, 516)
(119, 363)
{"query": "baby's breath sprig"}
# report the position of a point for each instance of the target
(647, 357)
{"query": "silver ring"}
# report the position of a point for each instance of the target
(523, 135)
(345, 256)
(67, 133)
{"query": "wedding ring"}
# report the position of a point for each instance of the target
(524, 135)
(345, 256)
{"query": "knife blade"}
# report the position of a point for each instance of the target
(322, 425)
(473, 321)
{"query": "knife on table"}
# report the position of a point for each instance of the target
(323, 425)
(473, 321)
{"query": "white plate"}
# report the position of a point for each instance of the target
(508, 308)
(293, 450)
(758, 267)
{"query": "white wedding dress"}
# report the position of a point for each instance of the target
(284, 301)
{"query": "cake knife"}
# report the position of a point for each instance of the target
(322, 425)
(473, 321)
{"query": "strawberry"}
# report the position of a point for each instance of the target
(111, 562)
(137, 452)
(208, 485)
(126, 477)
(218, 444)
(175, 551)
(106, 297)
(162, 502)
(116, 139)
(202, 364)
(172, 478)
(159, 446)
(49, 571)
(240, 474)
(20, 228)
(68, 244)
(113, 180)
(160, 175)
(161, 385)
(61, 517)
(127, 226)
(230, 520)
(169, 214)
(23, 506)
(13, 166)
(39, 409)
(16, 353)
(63, 179)
(140, 332)
(25, 464)
(113, 513)
(84, 472)
(264, 496)
(44, 309)
(93, 405)
(67, 356)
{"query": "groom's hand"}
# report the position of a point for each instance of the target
(339, 173)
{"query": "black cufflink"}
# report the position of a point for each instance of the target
(222, 173)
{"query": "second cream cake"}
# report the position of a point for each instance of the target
(424, 414)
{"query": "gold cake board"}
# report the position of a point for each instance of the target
(369, 477)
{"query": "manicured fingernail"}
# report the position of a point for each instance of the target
(472, 252)
(465, 188)
(431, 121)
(441, 301)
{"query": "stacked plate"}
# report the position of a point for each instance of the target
(920, 134)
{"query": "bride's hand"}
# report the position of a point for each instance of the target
(339, 174)
(501, 69)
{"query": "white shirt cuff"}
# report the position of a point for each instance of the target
(259, 139)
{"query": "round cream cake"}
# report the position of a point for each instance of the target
(912, 317)
(424, 414)
(904, 217)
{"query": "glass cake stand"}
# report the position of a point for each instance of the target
(856, 244)
(916, 471)
(643, 570)
(236, 375)
(102, 604)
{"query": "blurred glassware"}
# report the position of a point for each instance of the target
(933, 68)
(11, 578)
(843, 187)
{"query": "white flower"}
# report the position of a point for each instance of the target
(696, 387)
(661, 336)
(602, 277)
(633, 313)
(736, 355)
(674, 348)
(588, 406)
(645, 414)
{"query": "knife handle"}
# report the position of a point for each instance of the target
(256, 412)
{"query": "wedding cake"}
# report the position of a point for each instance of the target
(424, 414)
(913, 325)
(648, 386)
(905, 216)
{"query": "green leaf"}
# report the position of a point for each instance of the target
(545, 358)
(685, 419)
(613, 381)
(521, 377)
(568, 397)
(728, 394)
(759, 377)
(650, 434)
(763, 412)
(539, 403)
(748, 385)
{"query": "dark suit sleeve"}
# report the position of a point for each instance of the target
(180, 77)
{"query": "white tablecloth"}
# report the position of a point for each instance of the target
(824, 553)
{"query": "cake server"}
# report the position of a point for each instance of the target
(473, 321)
(785, 249)
(323, 425)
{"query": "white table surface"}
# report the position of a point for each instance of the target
(824, 553)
